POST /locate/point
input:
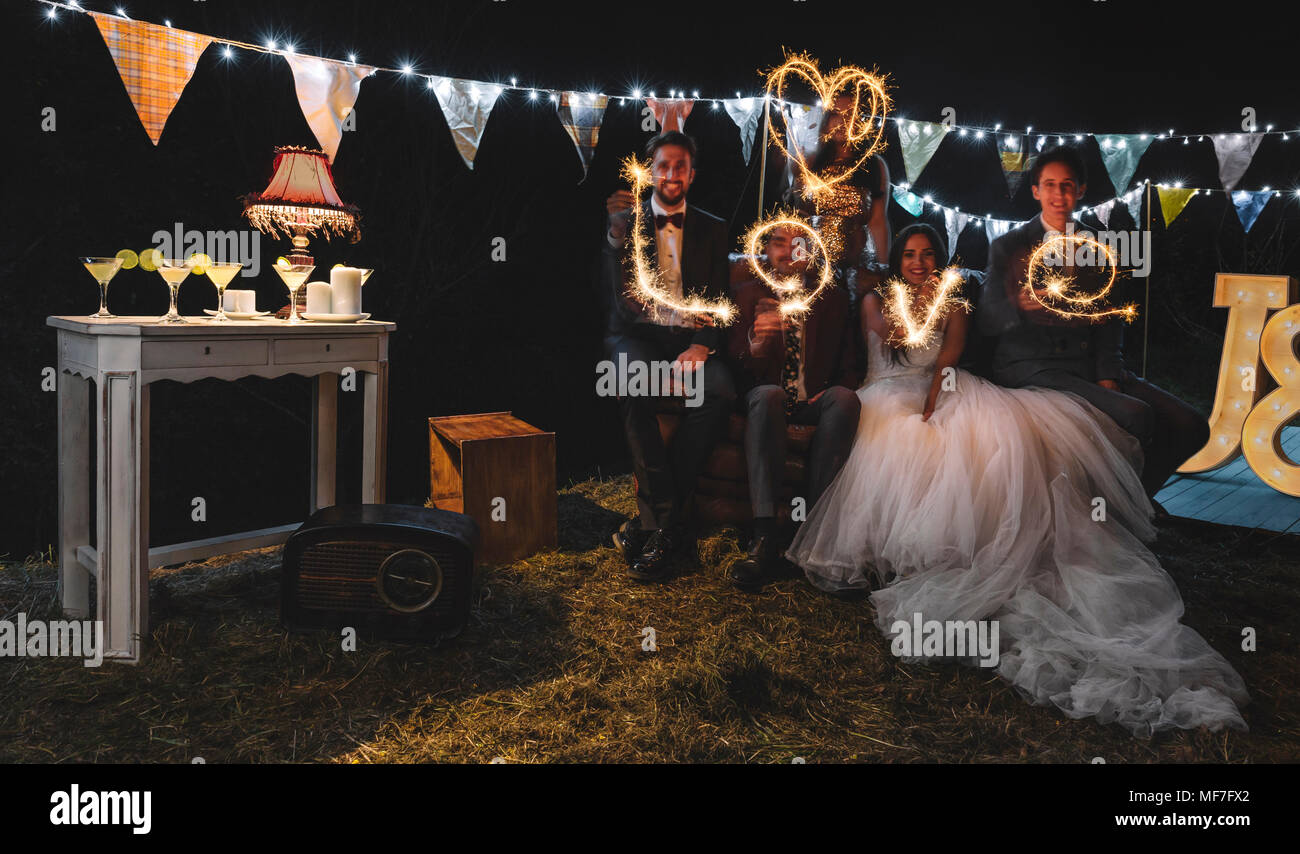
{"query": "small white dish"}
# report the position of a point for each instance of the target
(237, 315)
(335, 318)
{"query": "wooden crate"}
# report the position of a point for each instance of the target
(476, 459)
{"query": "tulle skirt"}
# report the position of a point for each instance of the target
(1022, 506)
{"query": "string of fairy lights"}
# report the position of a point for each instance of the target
(285, 46)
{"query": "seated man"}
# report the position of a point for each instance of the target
(799, 369)
(691, 252)
(1036, 347)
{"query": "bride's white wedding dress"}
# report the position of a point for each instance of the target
(990, 510)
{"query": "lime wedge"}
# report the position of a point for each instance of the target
(149, 259)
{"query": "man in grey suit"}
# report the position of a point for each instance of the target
(1036, 347)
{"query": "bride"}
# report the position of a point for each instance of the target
(967, 501)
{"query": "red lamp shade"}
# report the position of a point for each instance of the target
(301, 199)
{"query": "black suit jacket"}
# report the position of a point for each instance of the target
(1026, 345)
(704, 272)
(829, 350)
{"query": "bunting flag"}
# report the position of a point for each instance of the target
(1133, 201)
(908, 200)
(1235, 151)
(1103, 212)
(919, 142)
(466, 104)
(1172, 202)
(670, 114)
(745, 112)
(995, 228)
(803, 124)
(1015, 161)
(155, 63)
(954, 222)
(327, 91)
(1249, 205)
(581, 115)
(1120, 153)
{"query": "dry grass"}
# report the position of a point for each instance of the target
(551, 669)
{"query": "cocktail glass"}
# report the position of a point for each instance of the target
(103, 269)
(221, 275)
(293, 275)
(174, 271)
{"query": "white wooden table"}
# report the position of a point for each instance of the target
(122, 356)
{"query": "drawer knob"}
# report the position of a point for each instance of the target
(327, 348)
(207, 351)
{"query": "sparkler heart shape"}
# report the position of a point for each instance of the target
(790, 288)
(863, 133)
(1064, 298)
(919, 327)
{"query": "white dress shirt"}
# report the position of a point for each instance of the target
(668, 248)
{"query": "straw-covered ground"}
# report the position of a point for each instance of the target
(551, 669)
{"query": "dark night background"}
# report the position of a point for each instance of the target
(524, 335)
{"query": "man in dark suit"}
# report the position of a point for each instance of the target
(691, 253)
(1036, 347)
(799, 369)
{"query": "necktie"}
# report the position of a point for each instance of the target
(675, 219)
(790, 371)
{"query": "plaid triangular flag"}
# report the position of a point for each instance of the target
(155, 63)
(581, 115)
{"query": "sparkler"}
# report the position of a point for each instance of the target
(1064, 298)
(647, 287)
(862, 132)
(791, 288)
(898, 301)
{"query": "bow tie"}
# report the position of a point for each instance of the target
(671, 219)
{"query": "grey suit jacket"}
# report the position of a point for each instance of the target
(1027, 345)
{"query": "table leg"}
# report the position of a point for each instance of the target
(324, 439)
(374, 464)
(123, 522)
(74, 493)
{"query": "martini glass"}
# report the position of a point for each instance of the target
(174, 271)
(221, 275)
(103, 269)
(293, 275)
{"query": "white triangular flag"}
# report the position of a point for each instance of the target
(1235, 151)
(327, 92)
(995, 228)
(919, 141)
(1103, 212)
(466, 104)
(954, 222)
(745, 112)
(1133, 201)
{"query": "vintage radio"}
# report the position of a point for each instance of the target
(387, 570)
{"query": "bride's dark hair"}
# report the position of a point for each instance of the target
(896, 247)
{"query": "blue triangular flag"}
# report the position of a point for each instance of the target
(1120, 153)
(910, 202)
(1249, 205)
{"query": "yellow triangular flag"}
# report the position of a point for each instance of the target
(1172, 202)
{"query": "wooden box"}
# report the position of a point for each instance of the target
(500, 472)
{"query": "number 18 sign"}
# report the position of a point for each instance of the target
(1242, 421)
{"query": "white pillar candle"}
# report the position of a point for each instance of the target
(345, 283)
(319, 298)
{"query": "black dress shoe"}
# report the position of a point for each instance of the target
(763, 564)
(630, 539)
(652, 563)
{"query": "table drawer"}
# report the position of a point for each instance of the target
(298, 351)
(155, 355)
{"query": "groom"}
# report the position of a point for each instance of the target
(691, 253)
(1036, 347)
(800, 370)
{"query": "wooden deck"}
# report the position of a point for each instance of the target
(1233, 495)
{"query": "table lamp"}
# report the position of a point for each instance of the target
(301, 200)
